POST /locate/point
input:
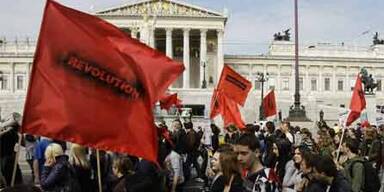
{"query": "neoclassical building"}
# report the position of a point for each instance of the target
(194, 36)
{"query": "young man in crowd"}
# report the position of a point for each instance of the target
(353, 170)
(257, 178)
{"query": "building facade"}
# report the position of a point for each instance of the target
(194, 36)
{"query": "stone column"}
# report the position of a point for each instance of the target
(12, 77)
(134, 33)
(307, 81)
(335, 81)
(203, 56)
(186, 59)
(347, 83)
(152, 39)
(169, 46)
(220, 54)
(27, 75)
(278, 81)
(320, 84)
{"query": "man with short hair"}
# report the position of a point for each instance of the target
(353, 171)
(257, 178)
(325, 172)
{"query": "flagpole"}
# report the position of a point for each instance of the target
(16, 160)
(98, 170)
(341, 142)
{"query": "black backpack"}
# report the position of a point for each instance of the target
(371, 178)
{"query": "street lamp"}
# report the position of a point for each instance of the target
(204, 82)
(262, 77)
(297, 111)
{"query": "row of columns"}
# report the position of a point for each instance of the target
(186, 51)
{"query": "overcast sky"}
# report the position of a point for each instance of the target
(251, 24)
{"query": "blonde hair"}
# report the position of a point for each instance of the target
(79, 156)
(53, 150)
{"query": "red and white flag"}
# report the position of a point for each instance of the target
(94, 85)
(357, 104)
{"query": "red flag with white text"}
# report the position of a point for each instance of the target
(93, 85)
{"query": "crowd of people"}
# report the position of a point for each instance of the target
(252, 159)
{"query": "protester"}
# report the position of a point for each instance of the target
(228, 177)
(82, 167)
(256, 176)
(39, 157)
(58, 174)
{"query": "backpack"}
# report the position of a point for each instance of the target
(72, 183)
(371, 179)
(191, 141)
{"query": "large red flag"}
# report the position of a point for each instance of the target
(169, 100)
(233, 85)
(357, 102)
(269, 104)
(92, 84)
(232, 90)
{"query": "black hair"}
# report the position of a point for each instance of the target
(270, 126)
(352, 145)
(249, 140)
(188, 125)
(325, 164)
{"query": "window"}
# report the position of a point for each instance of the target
(257, 85)
(313, 85)
(20, 82)
(4, 82)
(340, 85)
(378, 85)
(286, 84)
(301, 85)
(327, 84)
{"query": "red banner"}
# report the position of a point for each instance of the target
(93, 85)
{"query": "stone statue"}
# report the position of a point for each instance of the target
(287, 35)
(321, 113)
(376, 40)
(279, 37)
(368, 81)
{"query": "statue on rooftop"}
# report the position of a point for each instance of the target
(286, 36)
(376, 40)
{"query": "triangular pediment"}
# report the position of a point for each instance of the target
(160, 8)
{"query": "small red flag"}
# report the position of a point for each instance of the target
(231, 113)
(215, 104)
(269, 104)
(93, 85)
(357, 104)
(169, 100)
(233, 85)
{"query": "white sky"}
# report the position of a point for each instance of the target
(250, 27)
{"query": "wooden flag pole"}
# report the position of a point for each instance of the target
(341, 142)
(98, 170)
(16, 161)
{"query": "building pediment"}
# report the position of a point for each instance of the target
(160, 8)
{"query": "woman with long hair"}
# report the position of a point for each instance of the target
(229, 175)
(82, 167)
